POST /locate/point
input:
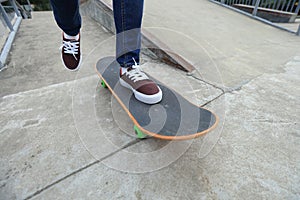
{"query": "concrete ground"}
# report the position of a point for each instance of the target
(64, 137)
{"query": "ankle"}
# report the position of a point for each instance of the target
(123, 70)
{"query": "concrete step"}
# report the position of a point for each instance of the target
(35, 62)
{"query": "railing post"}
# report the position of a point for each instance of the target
(29, 4)
(298, 32)
(256, 7)
(222, 1)
(298, 8)
(6, 19)
(13, 3)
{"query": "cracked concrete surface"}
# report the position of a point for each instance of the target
(64, 137)
(226, 48)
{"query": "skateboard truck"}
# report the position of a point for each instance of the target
(139, 133)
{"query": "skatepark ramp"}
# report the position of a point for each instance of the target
(101, 11)
(61, 137)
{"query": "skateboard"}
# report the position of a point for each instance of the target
(174, 118)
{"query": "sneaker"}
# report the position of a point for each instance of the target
(70, 53)
(144, 89)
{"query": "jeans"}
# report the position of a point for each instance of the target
(128, 19)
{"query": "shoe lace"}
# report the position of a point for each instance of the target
(135, 73)
(70, 47)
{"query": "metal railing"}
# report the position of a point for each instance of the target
(11, 21)
(268, 11)
(291, 6)
(5, 15)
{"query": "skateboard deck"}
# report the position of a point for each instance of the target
(174, 118)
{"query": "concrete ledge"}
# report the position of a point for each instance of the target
(102, 13)
(269, 14)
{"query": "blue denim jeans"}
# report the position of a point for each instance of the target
(128, 19)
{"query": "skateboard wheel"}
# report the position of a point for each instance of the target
(103, 84)
(139, 133)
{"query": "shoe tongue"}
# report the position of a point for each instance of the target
(130, 68)
(70, 40)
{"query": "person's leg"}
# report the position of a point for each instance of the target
(128, 19)
(67, 16)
